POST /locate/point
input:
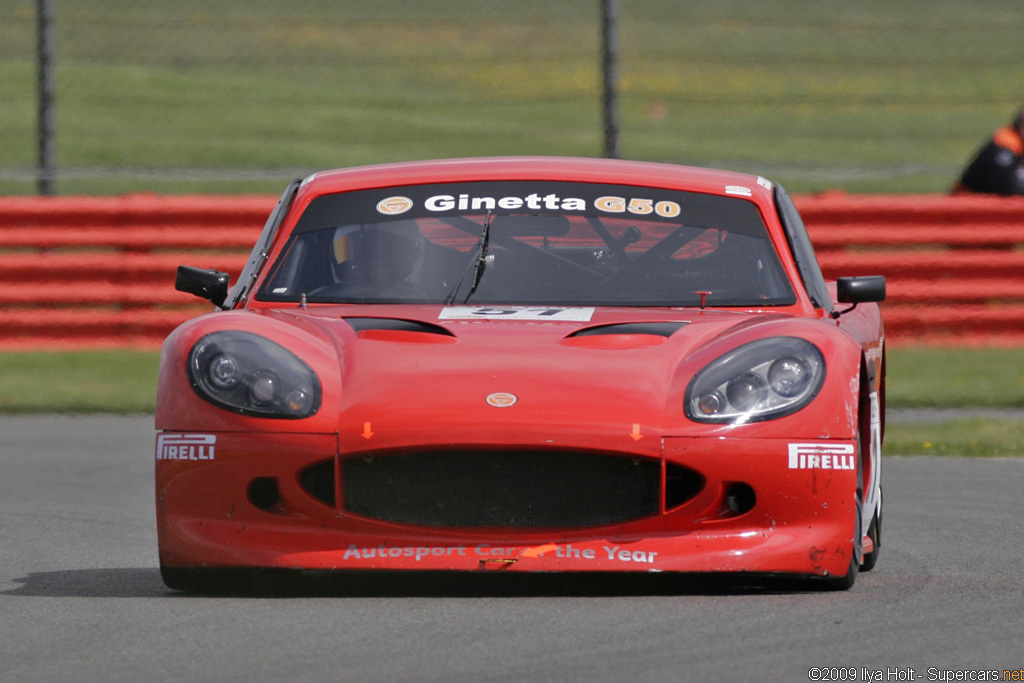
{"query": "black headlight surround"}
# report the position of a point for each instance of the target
(252, 357)
(754, 358)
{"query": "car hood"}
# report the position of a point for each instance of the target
(407, 365)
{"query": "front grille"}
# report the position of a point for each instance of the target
(503, 488)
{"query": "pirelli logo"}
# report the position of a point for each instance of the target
(821, 456)
(185, 446)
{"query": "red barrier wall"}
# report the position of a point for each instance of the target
(954, 265)
(80, 272)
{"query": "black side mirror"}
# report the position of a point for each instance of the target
(858, 290)
(208, 284)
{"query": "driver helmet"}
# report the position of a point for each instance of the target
(378, 253)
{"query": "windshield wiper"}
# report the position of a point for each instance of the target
(477, 264)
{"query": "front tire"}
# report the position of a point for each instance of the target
(875, 533)
(843, 583)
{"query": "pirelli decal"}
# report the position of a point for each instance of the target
(821, 456)
(185, 446)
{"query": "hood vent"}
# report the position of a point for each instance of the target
(623, 335)
(661, 329)
(399, 329)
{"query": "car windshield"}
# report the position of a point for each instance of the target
(529, 243)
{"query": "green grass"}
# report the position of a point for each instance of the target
(117, 381)
(953, 378)
(241, 95)
(956, 378)
(122, 381)
(973, 437)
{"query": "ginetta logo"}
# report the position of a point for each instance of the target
(502, 399)
(185, 446)
(392, 206)
(821, 456)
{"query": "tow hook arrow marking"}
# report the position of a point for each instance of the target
(538, 551)
(636, 432)
(367, 432)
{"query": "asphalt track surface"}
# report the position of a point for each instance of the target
(81, 598)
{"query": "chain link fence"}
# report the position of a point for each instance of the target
(242, 95)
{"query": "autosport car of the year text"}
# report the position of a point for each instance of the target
(611, 552)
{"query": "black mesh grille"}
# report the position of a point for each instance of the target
(502, 488)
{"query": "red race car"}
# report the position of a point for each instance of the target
(525, 365)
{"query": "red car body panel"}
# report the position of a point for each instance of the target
(385, 392)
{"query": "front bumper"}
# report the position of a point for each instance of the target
(767, 505)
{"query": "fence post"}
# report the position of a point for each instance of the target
(45, 64)
(610, 74)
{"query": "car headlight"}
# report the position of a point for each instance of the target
(762, 380)
(249, 374)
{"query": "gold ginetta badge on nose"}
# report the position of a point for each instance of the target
(502, 399)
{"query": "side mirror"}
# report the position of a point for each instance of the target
(858, 290)
(208, 284)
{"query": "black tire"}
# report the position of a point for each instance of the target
(828, 583)
(845, 582)
(842, 583)
(817, 584)
(834, 583)
(875, 527)
(875, 532)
